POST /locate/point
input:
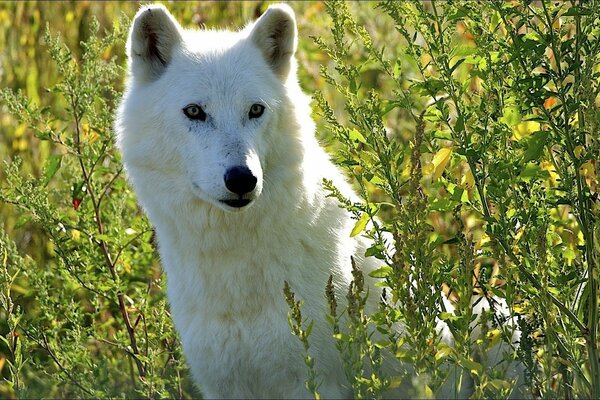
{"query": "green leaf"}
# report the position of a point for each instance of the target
(375, 251)
(50, 167)
(309, 328)
(444, 204)
(443, 352)
(103, 237)
(356, 136)
(535, 146)
(388, 106)
(511, 116)
(463, 51)
(382, 272)
(470, 365)
(456, 65)
(575, 11)
(446, 316)
(375, 180)
(22, 220)
(360, 225)
(533, 171)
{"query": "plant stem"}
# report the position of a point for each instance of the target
(102, 243)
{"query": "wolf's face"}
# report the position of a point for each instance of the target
(212, 105)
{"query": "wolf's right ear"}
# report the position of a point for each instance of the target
(154, 33)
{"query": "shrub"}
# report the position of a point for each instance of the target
(91, 321)
(478, 150)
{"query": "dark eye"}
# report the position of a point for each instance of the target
(256, 111)
(194, 111)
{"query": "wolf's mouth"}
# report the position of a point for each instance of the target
(237, 203)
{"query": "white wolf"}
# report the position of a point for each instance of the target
(218, 142)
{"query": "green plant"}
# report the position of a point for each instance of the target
(93, 318)
(493, 189)
(296, 324)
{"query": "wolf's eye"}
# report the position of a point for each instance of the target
(256, 111)
(194, 111)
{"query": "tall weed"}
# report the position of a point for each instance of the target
(493, 191)
(91, 321)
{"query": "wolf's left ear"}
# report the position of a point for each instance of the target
(154, 34)
(275, 34)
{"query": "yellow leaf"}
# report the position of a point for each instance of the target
(19, 144)
(89, 135)
(127, 267)
(549, 167)
(360, 225)
(525, 129)
(484, 240)
(20, 130)
(472, 366)
(443, 352)
(518, 309)
(468, 180)
(499, 384)
(440, 160)
(75, 234)
(406, 170)
(395, 382)
(588, 170)
(428, 392)
(427, 170)
(495, 335)
(50, 249)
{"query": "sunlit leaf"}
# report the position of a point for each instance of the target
(360, 225)
(51, 167)
(525, 129)
(535, 146)
(440, 160)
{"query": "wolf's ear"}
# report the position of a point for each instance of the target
(275, 35)
(154, 33)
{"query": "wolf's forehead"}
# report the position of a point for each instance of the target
(231, 66)
(204, 39)
(221, 50)
(224, 73)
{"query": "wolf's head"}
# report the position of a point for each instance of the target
(202, 108)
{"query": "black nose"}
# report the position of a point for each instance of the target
(239, 180)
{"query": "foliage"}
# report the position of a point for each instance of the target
(494, 190)
(95, 293)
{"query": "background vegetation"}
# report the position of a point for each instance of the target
(471, 130)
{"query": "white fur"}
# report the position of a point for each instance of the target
(225, 266)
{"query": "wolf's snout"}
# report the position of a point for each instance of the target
(240, 180)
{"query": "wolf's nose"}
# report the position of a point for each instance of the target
(239, 180)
